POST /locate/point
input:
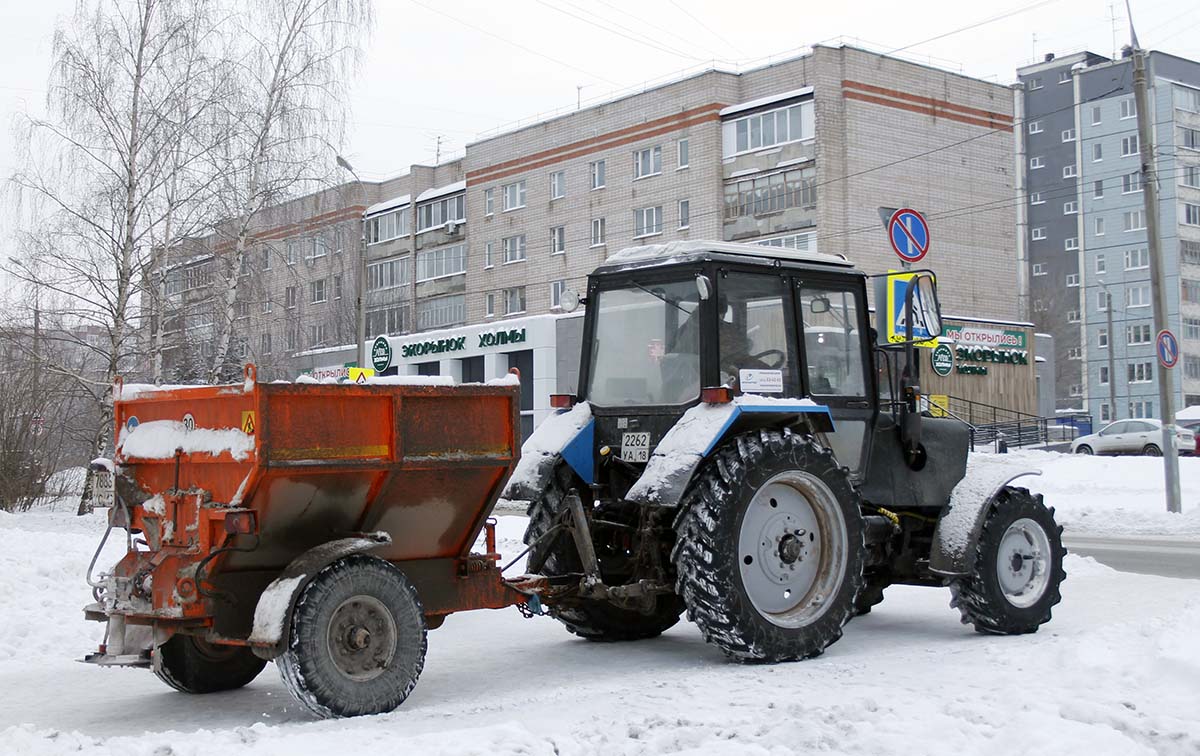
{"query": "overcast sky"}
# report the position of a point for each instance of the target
(454, 70)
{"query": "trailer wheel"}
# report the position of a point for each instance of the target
(357, 641)
(1017, 569)
(192, 665)
(592, 619)
(769, 549)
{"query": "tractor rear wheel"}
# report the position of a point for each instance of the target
(1017, 568)
(593, 619)
(193, 665)
(357, 641)
(769, 548)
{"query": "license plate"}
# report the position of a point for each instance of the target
(102, 489)
(635, 447)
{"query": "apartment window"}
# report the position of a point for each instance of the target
(1101, 264)
(597, 172)
(317, 248)
(1072, 279)
(489, 304)
(316, 291)
(1129, 146)
(1191, 328)
(1069, 171)
(1189, 251)
(266, 307)
(387, 274)
(771, 193)
(1191, 290)
(1072, 316)
(1037, 162)
(1070, 208)
(558, 240)
(388, 226)
(264, 344)
(790, 124)
(1191, 176)
(1140, 372)
(1102, 338)
(1036, 199)
(293, 337)
(1074, 353)
(1102, 301)
(1187, 99)
(514, 300)
(1039, 269)
(1071, 243)
(289, 297)
(1097, 152)
(1191, 214)
(1038, 233)
(685, 213)
(1131, 182)
(440, 212)
(337, 286)
(647, 162)
(1039, 305)
(1135, 220)
(487, 255)
(1137, 334)
(597, 232)
(1035, 83)
(558, 185)
(1068, 135)
(441, 262)
(1137, 296)
(1097, 189)
(681, 151)
(1191, 138)
(489, 201)
(266, 259)
(1064, 77)
(556, 293)
(1035, 127)
(1128, 108)
(244, 268)
(1098, 223)
(1096, 115)
(514, 248)
(293, 252)
(318, 335)
(1104, 377)
(241, 310)
(647, 221)
(806, 242)
(388, 320)
(514, 195)
(441, 311)
(1141, 409)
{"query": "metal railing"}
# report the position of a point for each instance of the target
(1004, 428)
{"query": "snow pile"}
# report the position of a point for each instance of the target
(509, 379)
(411, 380)
(158, 439)
(131, 391)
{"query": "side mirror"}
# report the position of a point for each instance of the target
(703, 287)
(819, 305)
(927, 311)
(570, 301)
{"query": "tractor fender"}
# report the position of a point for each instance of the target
(961, 523)
(702, 428)
(275, 605)
(567, 435)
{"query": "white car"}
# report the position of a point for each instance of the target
(1133, 437)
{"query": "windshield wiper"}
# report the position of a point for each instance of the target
(663, 297)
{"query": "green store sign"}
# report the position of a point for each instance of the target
(459, 343)
(982, 356)
(942, 358)
(381, 354)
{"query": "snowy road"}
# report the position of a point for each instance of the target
(1116, 672)
(1147, 555)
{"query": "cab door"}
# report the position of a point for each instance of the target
(835, 339)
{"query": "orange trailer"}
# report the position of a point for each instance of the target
(324, 526)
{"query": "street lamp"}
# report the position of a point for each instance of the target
(1112, 346)
(360, 303)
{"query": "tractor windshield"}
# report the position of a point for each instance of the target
(646, 349)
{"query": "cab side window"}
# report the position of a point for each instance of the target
(752, 329)
(832, 342)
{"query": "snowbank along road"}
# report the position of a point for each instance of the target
(1116, 672)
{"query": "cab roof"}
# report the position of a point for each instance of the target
(683, 252)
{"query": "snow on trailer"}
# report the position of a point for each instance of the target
(324, 526)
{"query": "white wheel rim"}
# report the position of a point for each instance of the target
(1023, 563)
(792, 549)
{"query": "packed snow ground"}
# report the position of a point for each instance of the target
(1116, 672)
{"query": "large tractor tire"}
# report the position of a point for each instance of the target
(1016, 570)
(593, 619)
(192, 665)
(769, 548)
(357, 640)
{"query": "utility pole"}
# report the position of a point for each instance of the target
(1112, 347)
(360, 299)
(1158, 287)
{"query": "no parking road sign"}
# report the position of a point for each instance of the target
(1168, 349)
(908, 232)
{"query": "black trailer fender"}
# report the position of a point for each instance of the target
(702, 428)
(275, 605)
(961, 523)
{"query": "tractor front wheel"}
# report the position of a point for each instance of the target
(769, 548)
(193, 665)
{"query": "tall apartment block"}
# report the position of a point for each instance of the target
(1086, 226)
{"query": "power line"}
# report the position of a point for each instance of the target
(640, 39)
(976, 25)
(707, 28)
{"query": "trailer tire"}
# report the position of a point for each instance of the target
(357, 640)
(995, 597)
(192, 665)
(729, 586)
(591, 619)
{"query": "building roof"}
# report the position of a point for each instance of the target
(442, 191)
(388, 204)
